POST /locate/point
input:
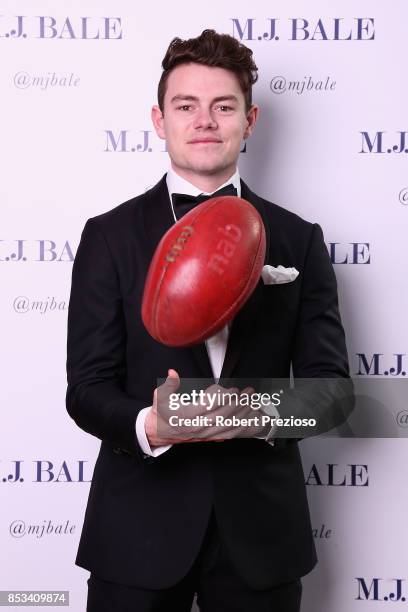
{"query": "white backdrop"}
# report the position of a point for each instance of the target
(78, 80)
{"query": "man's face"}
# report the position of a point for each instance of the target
(204, 120)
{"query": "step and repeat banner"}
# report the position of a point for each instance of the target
(78, 80)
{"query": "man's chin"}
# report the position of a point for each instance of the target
(207, 169)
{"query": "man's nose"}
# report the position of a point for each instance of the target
(205, 119)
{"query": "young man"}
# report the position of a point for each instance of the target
(165, 520)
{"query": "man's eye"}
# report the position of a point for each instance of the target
(185, 107)
(224, 108)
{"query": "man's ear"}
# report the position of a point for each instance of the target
(158, 122)
(252, 117)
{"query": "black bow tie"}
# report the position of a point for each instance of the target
(183, 203)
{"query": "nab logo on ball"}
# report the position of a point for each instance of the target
(380, 589)
(226, 247)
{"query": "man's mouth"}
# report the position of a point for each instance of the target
(205, 141)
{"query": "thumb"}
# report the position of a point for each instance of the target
(172, 380)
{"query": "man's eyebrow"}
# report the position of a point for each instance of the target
(182, 97)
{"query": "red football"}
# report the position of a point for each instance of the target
(204, 269)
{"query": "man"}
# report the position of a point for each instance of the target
(229, 519)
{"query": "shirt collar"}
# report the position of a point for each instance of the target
(177, 184)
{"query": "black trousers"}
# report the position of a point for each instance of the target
(212, 577)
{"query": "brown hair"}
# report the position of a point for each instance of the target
(211, 49)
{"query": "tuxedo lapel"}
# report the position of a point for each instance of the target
(257, 202)
(240, 331)
(157, 213)
(200, 354)
(243, 322)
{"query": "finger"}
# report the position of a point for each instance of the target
(172, 381)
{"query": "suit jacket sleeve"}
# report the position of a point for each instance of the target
(96, 344)
(319, 351)
(320, 347)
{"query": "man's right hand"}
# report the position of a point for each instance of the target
(170, 385)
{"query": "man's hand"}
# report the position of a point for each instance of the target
(159, 432)
(155, 417)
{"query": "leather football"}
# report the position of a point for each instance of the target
(203, 271)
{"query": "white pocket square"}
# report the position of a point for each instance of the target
(279, 275)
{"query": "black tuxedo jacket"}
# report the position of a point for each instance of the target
(146, 518)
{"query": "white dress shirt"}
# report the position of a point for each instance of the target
(217, 344)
